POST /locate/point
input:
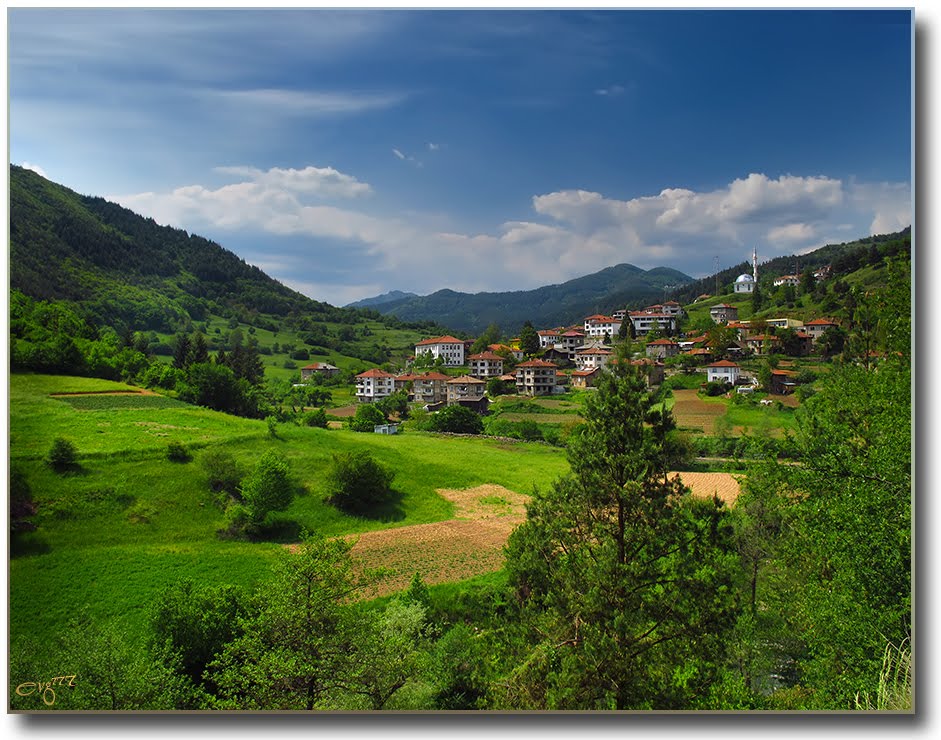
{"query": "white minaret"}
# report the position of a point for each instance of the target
(754, 265)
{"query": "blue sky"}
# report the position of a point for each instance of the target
(348, 153)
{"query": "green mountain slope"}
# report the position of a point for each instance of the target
(126, 271)
(843, 259)
(551, 305)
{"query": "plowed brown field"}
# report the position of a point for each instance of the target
(692, 412)
(472, 543)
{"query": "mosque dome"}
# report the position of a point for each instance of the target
(744, 278)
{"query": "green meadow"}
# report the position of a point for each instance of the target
(127, 522)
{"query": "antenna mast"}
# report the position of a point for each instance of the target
(715, 269)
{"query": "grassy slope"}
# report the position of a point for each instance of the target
(112, 535)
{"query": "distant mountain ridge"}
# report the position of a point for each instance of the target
(614, 287)
(379, 300)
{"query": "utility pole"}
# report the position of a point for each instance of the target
(715, 269)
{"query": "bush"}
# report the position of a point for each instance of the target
(177, 452)
(267, 488)
(315, 418)
(62, 455)
(366, 418)
(458, 420)
(357, 483)
(225, 474)
(238, 522)
(716, 388)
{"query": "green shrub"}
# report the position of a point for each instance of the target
(357, 483)
(224, 473)
(366, 418)
(267, 488)
(177, 452)
(62, 455)
(238, 522)
(315, 418)
(458, 420)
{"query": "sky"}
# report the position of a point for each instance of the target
(352, 152)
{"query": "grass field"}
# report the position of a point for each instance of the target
(707, 415)
(110, 535)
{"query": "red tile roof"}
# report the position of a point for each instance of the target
(465, 379)
(664, 342)
(820, 322)
(435, 376)
(407, 377)
(440, 340)
(537, 363)
(723, 363)
(486, 356)
(375, 373)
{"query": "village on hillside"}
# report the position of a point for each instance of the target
(446, 370)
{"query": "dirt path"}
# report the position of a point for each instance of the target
(472, 542)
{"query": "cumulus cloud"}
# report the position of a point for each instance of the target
(568, 233)
(890, 203)
(791, 234)
(323, 181)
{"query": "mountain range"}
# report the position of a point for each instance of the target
(551, 305)
(128, 272)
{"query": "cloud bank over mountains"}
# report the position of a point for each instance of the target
(567, 234)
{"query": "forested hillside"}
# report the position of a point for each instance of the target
(125, 271)
(842, 258)
(550, 305)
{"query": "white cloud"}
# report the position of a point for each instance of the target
(35, 168)
(323, 181)
(610, 91)
(306, 102)
(890, 203)
(400, 155)
(432, 147)
(791, 234)
(571, 233)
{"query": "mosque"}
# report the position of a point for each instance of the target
(746, 283)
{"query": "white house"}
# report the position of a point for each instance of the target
(449, 349)
(645, 322)
(723, 371)
(600, 325)
(486, 365)
(430, 388)
(816, 327)
(373, 385)
(586, 359)
(535, 378)
(466, 391)
(571, 340)
(792, 280)
(548, 338)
